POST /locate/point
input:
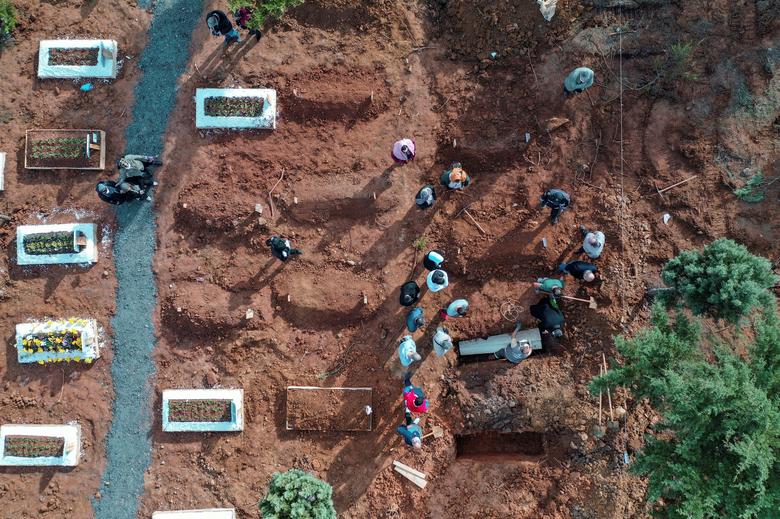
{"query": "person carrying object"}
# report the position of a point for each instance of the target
(516, 351)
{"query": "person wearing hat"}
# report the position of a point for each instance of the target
(458, 308)
(425, 197)
(580, 270)
(407, 351)
(442, 342)
(433, 260)
(414, 396)
(415, 319)
(403, 151)
(550, 317)
(411, 431)
(455, 177)
(515, 351)
(410, 293)
(557, 200)
(578, 80)
(219, 25)
(280, 248)
(437, 280)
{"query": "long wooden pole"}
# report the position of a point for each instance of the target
(601, 372)
(661, 191)
(609, 394)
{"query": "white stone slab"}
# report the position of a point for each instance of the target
(90, 347)
(105, 68)
(2, 171)
(235, 395)
(71, 452)
(266, 121)
(496, 342)
(211, 513)
(88, 255)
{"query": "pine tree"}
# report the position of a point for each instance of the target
(296, 494)
(723, 280)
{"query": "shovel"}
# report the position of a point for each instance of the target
(591, 302)
(437, 432)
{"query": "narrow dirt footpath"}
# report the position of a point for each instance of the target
(128, 451)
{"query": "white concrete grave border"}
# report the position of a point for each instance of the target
(88, 255)
(90, 347)
(266, 121)
(106, 67)
(2, 171)
(211, 513)
(71, 452)
(235, 395)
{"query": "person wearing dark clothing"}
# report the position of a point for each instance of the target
(551, 318)
(410, 431)
(242, 16)
(410, 293)
(580, 270)
(134, 180)
(219, 25)
(433, 260)
(280, 248)
(425, 197)
(108, 192)
(557, 200)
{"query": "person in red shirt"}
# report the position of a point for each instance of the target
(242, 16)
(414, 397)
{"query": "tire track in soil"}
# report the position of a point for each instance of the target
(128, 447)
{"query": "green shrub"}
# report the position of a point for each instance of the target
(7, 18)
(723, 280)
(264, 10)
(753, 190)
(296, 494)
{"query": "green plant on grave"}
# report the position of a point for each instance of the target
(296, 494)
(420, 243)
(263, 10)
(7, 18)
(724, 280)
(753, 190)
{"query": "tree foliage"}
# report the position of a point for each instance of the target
(264, 10)
(296, 494)
(7, 18)
(723, 280)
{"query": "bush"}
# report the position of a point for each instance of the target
(296, 494)
(723, 280)
(263, 10)
(7, 18)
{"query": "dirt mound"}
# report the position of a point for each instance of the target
(475, 28)
(201, 309)
(341, 15)
(320, 299)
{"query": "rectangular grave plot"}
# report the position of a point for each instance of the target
(34, 446)
(235, 108)
(57, 341)
(56, 243)
(65, 149)
(203, 410)
(329, 408)
(61, 59)
(200, 411)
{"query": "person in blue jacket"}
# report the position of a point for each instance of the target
(411, 432)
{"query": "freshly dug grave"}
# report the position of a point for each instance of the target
(200, 410)
(328, 409)
(34, 446)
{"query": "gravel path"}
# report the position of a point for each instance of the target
(129, 447)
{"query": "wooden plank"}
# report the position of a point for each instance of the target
(420, 482)
(497, 342)
(409, 469)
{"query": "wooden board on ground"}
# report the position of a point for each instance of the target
(65, 149)
(311, 408)
(411, 476)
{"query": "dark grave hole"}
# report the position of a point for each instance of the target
(527, 445)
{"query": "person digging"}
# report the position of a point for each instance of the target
(516, 351)
(411, 431)
(551, 319)
(281, 249)
(552, 287)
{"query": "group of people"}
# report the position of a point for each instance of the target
(220, 25)
(134, 181)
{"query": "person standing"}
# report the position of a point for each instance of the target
(458, 308)
(415, 319)
(592, 243)
(281, 249)
(550, 317)
(578, 80)
(414, 396)
(410, 293)
(437, 280)
(407, 351)
(219, 25)
(108, 192)
(425, 197)
(580, 270)
(455, 177)
(410, 431)
(403, 151)
(242, 17)
(557, 200)
(433, 260)
(550, 286)
(442, 342)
